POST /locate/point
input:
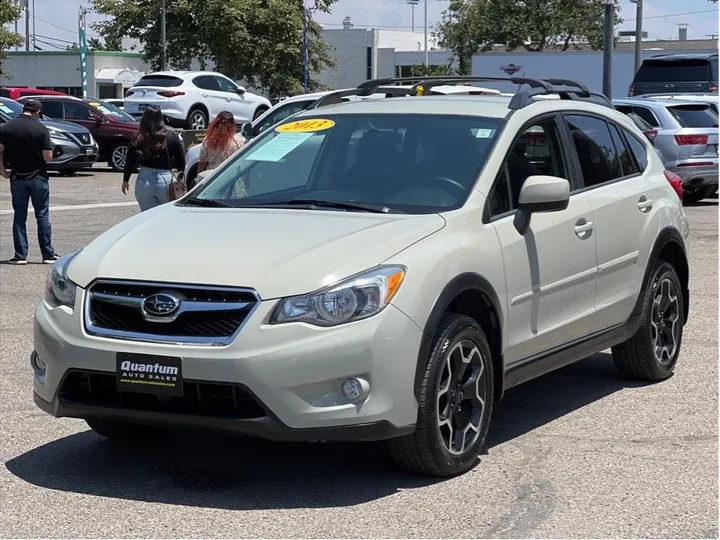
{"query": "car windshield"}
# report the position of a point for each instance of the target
(695, 116)
(10, 107)
(108, 109)
(404, 163)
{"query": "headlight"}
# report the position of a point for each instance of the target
(57, 134)
(356, 298)
(59, 290)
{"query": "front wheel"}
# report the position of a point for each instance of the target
(651, 354)
(455, 403)
(118, 156)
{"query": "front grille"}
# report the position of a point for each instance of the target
(205, 315)
(210, 399)
(82, 138)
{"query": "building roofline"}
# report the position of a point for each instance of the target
(121, 54)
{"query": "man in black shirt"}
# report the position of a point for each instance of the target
(26, 147)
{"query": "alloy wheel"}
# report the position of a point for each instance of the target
(197, 120)
(665, 322)
(461, 397)
(119, 156)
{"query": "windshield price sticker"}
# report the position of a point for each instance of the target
(305, 126)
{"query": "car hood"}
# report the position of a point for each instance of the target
(277, 252)
(66, 127)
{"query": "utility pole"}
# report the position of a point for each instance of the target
(33, 21)
(427, 63)
(163, 37)
(608, 46)
(27, 24)
(638, 32)
(306, 47)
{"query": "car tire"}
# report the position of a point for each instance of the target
(118, 156)
(652, 353)
(122, 431)
(68, 172)
(697, 195)
(197, 119)
(445, 407)
(259, 112)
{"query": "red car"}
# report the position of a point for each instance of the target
(112, 128)
(17, 92)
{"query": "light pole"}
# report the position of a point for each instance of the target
(608, 47)
(413, 3)
(163, 36)
(427, 63)
(638, 32)
(306, 47)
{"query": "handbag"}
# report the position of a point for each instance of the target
(177, 188)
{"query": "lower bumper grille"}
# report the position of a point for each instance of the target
(209, 399)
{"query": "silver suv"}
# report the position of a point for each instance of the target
(382, 269)
(687, 139)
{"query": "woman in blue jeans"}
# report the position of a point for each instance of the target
(157, 150)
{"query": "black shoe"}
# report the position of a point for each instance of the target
(51, 260)
(17, 260)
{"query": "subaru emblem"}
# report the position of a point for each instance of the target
(161, 304)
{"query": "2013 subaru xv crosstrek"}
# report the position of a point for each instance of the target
(377, 269)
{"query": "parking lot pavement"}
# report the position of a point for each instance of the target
(577, 453)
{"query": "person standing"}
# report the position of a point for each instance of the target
(25, 144)
(157, 150)
(221, 142)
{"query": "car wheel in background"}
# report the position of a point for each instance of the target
(454, 405)
(259, 111)
(68, 172)
(118, 156)
(698, 194)
(651, 354)
(197, 119)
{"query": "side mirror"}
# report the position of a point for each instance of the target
(247, 130)
(541, 194)
(241, 90)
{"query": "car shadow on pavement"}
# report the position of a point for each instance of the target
(230, 472)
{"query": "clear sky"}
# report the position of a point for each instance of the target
(56, 20)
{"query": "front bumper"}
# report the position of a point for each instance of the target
(293, 373)
(71, 156)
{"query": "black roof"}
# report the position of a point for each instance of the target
(683, 56)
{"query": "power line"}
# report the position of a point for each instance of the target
(56, 26)
(55, 39)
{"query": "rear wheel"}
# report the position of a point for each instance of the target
(651, 354)
(197, 119)
(118, 156)
(122, 431)
(455, 403)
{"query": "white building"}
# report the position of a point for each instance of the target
(109, 73)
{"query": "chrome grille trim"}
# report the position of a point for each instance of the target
(93, 328)
(79, 138)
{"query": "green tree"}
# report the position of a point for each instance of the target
(9, 12)
(260, 41)
(470, 26)
(97, 44)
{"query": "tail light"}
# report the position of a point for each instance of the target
(675, 182)
(631, 90)
(691, 139)
(651, 134)
(170, 93)
(712, 87)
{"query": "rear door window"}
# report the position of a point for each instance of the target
(159, 80)
(206, 82)
(53, 109)
(694, 116)
(624, 154)
(660, 71)
(595, 148)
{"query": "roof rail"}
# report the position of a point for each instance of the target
(565, 88)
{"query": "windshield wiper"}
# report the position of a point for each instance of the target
(340, 205)
(207, 203)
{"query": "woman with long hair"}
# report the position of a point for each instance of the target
(157, 150)
(221, 141)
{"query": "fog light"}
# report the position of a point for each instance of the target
(39, 367)
(355, 389)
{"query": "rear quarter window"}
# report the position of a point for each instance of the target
(694, 116)
(159, 80)
(658, 71)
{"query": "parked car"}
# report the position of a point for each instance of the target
(189, 99)
(17, 92)
(74, 147)
(676, 73)
(389, 290)
(119, 103)
(112, 128)
(283, 109)
(687, 139)
(710, 99)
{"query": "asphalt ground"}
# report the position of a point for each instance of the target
(577, 453)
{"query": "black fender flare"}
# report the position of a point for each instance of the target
(459, 284)
(667, 235)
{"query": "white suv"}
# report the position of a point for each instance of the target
(390, 289)
(190, 99)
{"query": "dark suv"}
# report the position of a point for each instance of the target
(112, 128)
(676, 73)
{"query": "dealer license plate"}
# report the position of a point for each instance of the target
(149, 374)
(90, 151)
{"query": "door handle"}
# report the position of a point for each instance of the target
(204, 95)
(644, 204)
(584, 228)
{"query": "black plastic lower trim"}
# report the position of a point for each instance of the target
(267, 427)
